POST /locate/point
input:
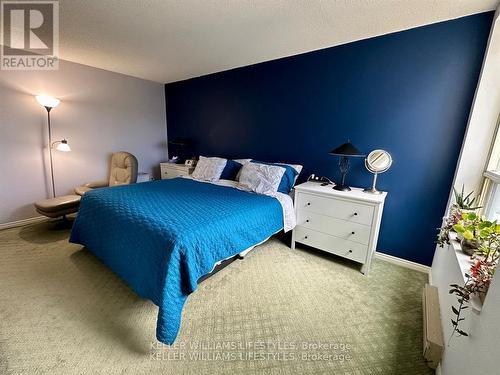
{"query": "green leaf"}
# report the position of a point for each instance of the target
(468, 235)
(485, 233)
(470, 228)
(458, 228)
(485, 224)
(472, 216)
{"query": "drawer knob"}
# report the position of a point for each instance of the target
(353, 233)
(307, 220)
(350, 251)
(355, 214)
(305, 237)
(308, 203)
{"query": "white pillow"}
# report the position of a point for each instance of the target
(209, 169)
(261, 178)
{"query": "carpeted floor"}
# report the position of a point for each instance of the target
(277, 312)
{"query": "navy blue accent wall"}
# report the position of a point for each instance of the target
(409, 93)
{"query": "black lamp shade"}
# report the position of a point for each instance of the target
(347, 149)
(180, 147)
(180, 142)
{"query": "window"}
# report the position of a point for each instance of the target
(490, 194)
(491, 190)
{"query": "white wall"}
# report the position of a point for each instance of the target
(483, 118)
(475, 354)
(100, 112)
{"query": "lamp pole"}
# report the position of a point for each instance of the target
(50, 153)
(48, 103)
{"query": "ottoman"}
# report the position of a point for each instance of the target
(58, 206)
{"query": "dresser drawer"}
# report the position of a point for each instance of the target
(337, 208)
(172, 171)
(346, 230)
(334, 245)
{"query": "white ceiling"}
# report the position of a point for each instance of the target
(171, 40)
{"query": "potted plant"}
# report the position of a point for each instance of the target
(464, 204)
(480, 239)
(485, 261)
(469, 228)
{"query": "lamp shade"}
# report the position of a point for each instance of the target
(178, 141)
(347, 149)
(47, 101)
(63, 146)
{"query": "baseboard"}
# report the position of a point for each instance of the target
(403, 262)
(20, 223)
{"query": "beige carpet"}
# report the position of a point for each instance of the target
(277, 312)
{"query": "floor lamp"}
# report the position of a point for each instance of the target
(62, 145)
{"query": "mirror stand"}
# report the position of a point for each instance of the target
(373, 189)
(377, 161)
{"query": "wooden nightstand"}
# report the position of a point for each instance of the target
(344, 223)
(170, 170)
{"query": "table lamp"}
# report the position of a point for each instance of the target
(345, 151)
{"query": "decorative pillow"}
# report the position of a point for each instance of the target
(297, 167)
(289, 177)
(261, 178)
(231, 170)
(209, 169)
(243, 161)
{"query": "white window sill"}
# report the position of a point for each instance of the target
(465, 263)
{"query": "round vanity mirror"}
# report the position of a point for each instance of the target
(377, 161)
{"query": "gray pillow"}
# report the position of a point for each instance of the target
(209, 169)
(261, 178)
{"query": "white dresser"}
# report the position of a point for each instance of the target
(344, 223)
(171, 170)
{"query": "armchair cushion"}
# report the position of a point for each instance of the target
(123, 171)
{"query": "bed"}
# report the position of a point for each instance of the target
(162, 236)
